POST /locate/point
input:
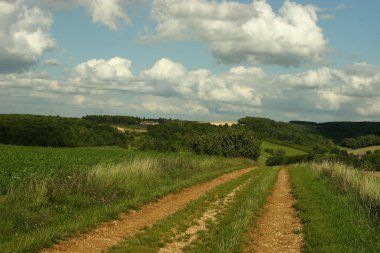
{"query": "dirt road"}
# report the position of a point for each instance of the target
(111, 233)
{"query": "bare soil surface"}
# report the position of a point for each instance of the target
(279, 228)
(184, 239)
(373, 173)
(111, 233)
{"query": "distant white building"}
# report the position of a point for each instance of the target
(148, 123)
(222, 123)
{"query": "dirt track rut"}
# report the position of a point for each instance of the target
(279, 229)
(111, 233)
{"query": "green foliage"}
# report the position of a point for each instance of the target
(333, 221)
(361, 141)
(229, 142)
(299, 136)
(368, 161)
(113, 119)
(340, 130)
(175, 135)
(55, 131)
(202, 138)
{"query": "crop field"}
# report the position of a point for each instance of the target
(362, 151)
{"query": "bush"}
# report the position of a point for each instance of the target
(230, 142)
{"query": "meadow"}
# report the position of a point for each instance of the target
(50, 193)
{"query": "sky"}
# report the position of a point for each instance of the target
(207, 60)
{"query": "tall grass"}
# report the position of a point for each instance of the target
(333, 220)
(365, 187)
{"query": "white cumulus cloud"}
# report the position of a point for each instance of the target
(97, 71)
(110, 13)
(107, 12)
(165, 69)
(24, 35)
(239, 32)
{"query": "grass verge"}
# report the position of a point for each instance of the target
(355, 182)
(52, 203)
(152, 239)
(333, 221)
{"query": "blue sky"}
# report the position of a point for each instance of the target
(194, 59)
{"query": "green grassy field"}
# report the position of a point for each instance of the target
(226, 235)
(50, 193)
(335, 219)
(289, 151)
(343, 148)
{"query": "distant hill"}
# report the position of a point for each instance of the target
(338, 131)
(298, 135)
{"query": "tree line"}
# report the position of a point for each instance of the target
(55, 131)
(338, 131)
(168, 136)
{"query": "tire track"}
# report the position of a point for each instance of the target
(279, 229)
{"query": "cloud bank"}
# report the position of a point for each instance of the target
(169, 88)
